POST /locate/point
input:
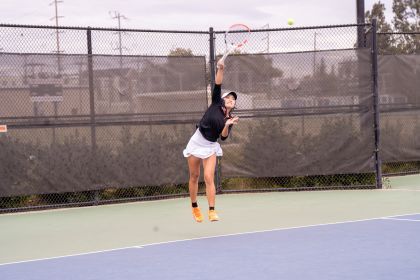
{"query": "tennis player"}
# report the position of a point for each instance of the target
(203, 146)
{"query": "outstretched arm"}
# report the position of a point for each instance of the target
(216, 93)
(220, 70)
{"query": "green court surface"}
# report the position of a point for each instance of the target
(53, 233)
(409, 182)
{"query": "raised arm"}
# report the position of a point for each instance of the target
(219, 74)
(216, 94)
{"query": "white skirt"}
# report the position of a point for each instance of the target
(200, 147)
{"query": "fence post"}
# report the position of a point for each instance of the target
(360, 7)
(92, 106)
(212, 62)
(374, 51)
(212, 58)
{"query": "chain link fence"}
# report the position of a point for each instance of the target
(306, 108)
(102, 115)
(399, 84)
(97, 115)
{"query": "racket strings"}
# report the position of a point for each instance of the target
(237, 35)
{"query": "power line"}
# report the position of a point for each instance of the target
(116, 15)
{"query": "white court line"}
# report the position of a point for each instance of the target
(403, 215)
(208, 237)
(72, 255)
(277, 229)
(403, 190)
(399, 219)
(93, 207)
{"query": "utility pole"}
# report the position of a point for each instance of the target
(116, 15)
(58, 51)
(360, 11)
(57, 32)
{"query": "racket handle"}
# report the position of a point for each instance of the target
(222, 60)
(224, 56)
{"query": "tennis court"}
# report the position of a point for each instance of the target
(93, 122)
(354, 234)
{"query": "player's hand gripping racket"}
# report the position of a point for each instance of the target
(235, 38)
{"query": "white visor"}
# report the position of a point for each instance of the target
(230, 92)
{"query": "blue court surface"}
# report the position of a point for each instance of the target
(382, 248)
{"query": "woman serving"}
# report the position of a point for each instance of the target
(203, 146)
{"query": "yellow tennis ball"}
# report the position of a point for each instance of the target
(290, 21)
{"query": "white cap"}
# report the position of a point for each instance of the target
(230, 92)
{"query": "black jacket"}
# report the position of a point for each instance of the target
(213, 121)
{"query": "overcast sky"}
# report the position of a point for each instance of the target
(185, 14)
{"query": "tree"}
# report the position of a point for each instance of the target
(385, 43)
(184, 70)
(378, 12)
(251, 73)
(277, 154)
(179, 71)
(407, 19)
(181, 52)
(325, 83)
(406, 15)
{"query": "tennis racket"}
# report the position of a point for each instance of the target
(235, 38)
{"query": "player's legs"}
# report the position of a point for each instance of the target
(194, 168)
(209, 165)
